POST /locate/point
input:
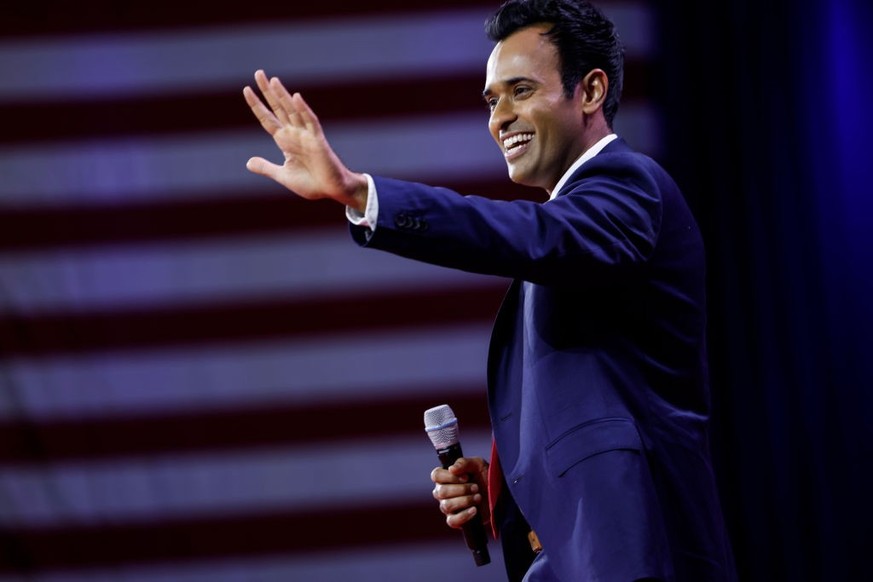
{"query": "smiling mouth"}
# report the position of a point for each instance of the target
(516, 145)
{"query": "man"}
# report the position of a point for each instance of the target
(597, 368)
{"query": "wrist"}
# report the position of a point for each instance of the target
(357, 189)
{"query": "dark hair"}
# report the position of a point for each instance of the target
(584, 38)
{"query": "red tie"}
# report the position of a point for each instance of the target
(495, 485)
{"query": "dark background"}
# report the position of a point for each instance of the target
(767, 120)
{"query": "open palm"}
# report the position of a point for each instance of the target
(311, 169)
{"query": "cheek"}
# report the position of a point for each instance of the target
(493, 126)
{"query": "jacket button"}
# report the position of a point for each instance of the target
(401, 220)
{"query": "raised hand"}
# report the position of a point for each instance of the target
(311, 170)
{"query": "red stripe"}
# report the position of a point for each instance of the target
(273, 534)
(198, 218)
(241, 428)
(255, 320)
(57, 17)
(195, 111)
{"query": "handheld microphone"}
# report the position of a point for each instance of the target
(442, 428)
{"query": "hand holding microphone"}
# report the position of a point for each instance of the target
(457, 495)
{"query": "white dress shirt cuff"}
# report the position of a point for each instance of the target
(371, 213)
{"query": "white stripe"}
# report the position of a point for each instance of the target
(291, 266)
(361, 48)
(450, 147)
(433, 149)
(351, 474)
(418, 562)
(352, 366)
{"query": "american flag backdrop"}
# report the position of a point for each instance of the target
(202, 377)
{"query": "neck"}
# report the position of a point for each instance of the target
(586, 155)
(594, 131)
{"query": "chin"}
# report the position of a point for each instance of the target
(522, 179)
(517, 176)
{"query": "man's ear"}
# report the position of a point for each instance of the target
(593, 87)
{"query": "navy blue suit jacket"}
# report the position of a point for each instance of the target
(597, 376)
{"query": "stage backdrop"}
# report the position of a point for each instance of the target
(201, 377)
(769, 133)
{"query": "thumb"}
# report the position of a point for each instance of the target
(262, 167)
(464, 465)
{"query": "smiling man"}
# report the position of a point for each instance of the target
(597, 375)
(541, 127)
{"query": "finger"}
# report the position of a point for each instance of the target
(263, 83)
(261, 78)
(457, 520)
(456, 505)
(442, 491)
(307, 116)
(268, 121)
(288, 103)
(273, 101)
(440, 475)
(299, 113)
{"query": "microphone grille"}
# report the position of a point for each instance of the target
(441, 426)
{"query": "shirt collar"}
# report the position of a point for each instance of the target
(587, 155)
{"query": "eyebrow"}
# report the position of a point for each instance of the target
(509, 82)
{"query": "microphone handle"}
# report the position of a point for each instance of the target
(474, 530)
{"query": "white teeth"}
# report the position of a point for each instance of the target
(515, 140)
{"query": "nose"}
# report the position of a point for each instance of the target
(502, 116)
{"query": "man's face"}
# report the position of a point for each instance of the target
(538, 129)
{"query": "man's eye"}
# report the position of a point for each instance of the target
(492, 103)
(521, 91)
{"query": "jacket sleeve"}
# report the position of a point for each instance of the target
(606, 218)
